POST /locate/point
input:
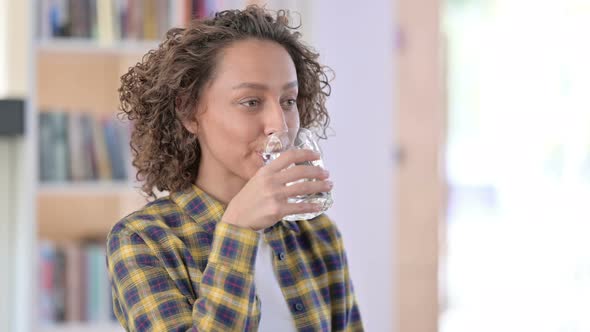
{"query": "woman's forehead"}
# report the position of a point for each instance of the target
(256, 61)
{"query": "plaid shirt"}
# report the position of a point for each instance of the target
(175, 267)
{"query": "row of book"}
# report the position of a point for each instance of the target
(73, 283)
(111, 20)
(77, 146)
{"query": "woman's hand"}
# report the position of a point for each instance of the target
(263, 200)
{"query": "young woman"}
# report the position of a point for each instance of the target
(215, 254)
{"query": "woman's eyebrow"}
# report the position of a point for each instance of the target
(260, 86)
(291, 85)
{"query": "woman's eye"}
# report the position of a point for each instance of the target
(250, 103)
(289, 104)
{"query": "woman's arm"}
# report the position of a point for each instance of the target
(148, 296)
(345, 312)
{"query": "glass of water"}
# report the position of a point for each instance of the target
(297, 138)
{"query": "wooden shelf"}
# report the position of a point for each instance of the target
(91, 46)
(82, 327)
(88, 188)
(82, 83)
(80, 76)
(83, 213)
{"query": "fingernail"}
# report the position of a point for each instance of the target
(330, 183)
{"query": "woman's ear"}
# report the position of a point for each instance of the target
(191, 124)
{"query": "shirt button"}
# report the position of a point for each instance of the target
(281, 256)
(299, 307)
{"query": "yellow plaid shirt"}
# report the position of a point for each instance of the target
(175, 267)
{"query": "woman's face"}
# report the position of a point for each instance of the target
(253, 94)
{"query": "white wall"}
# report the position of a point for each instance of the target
(3, 47)
(17, 163)
(14, 40)
(15, 237)
(6, 209)
(356, 40)
(7, 217)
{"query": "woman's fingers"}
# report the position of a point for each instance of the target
(290, 157)
(308, 188)
(302, 172)
(298, 208)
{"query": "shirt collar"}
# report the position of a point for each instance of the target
(200, 206)
(292, 225)
(207, 210)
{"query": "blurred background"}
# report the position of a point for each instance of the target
(459, 146)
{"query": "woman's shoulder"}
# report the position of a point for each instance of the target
(153, 214)
(323, 228)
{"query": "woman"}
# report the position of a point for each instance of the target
(215, 255)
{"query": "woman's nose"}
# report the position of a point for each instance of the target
(275, 120)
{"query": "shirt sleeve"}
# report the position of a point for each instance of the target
(148, 298)
(346, 313)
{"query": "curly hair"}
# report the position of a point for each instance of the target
(163, 89)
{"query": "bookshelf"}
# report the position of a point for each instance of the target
(76, 76)
(75, 70)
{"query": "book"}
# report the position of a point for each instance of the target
(59, 18)
(78, 19)
(98, 305)
(59, 285)
(102, 156)
(107, 21)
(122, 12)
(78, 146)
(46, 286)
(88, 148)
(77, 162)
(53, 146)
(149, 20)
(124, 129)
(46, 157)
(74, 283)
(61, 151)
(115, 150)
(163, 18)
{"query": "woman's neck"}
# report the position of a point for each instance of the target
(218, 182)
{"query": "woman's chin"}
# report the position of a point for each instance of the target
(253, 165)
(259, 162)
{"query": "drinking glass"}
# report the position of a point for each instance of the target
(297, 138)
